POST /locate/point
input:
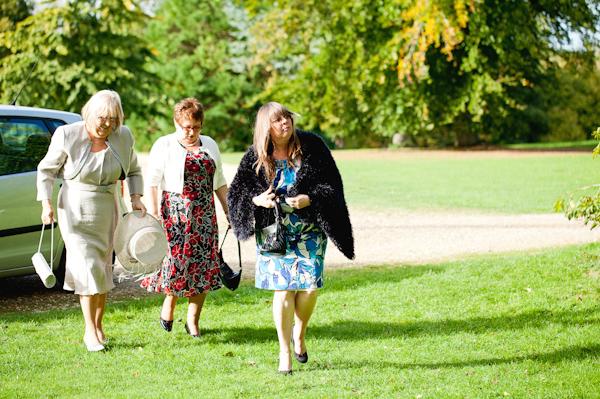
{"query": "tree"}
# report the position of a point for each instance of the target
(82, 48)
(419, 67)
(571, 97)
(200, 48)
(11, 12)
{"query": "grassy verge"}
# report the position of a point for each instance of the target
(516, 325)
(561, 145)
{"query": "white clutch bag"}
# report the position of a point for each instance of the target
(40, 263)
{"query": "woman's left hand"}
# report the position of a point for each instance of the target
(298, 202)
(137, 204)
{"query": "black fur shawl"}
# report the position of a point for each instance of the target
(318, 177)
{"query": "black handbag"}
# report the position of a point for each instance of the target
(229, 278)
(274, 234)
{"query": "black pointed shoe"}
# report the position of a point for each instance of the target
(166, 325)
(188, 331)
(302, 358)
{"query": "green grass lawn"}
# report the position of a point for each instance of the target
(516, 325)
(510, 325)
(507, 185)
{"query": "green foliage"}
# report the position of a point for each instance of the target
(587, 207)
(331, 61)
(438, 70)
(83, 47)
(11, 12)
(570, 94)
(201, 50)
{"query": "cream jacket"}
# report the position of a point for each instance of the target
(69, 149)
(166, 163)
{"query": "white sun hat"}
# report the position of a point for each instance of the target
(140, 243)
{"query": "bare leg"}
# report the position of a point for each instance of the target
(305, 304)
(283, 314)
(89, 306)
(99, 315)
(168, 307)
(194, 310)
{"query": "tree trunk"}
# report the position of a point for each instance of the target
(340, 142)
(464, 136)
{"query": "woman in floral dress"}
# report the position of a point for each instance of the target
(185, 168)
(296, 169)
(302, 266)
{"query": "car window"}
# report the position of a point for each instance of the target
(23, 143)
(54, 124)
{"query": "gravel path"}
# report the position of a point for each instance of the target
(399, 237)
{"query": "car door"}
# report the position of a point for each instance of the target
(23, 143)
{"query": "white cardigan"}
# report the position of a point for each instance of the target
(166, 163)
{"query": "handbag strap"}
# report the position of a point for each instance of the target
(51, 244)
(278, 211)
(239, 248)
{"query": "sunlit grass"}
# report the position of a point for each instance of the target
(495, 184)
(509, 185)
(512, 325)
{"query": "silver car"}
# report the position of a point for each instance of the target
(25, 134)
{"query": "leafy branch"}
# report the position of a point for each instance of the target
(586, 207)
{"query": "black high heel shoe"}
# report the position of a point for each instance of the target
(189, 333)
(303, 357)
(285, 372)
(166, 325)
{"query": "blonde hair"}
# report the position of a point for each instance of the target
(102, 103)
(263, 145)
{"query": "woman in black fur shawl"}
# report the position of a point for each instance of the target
(296, 169)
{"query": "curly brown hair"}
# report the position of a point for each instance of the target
(189, 109)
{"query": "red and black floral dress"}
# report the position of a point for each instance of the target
(191, 266)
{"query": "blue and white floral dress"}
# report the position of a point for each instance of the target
(302, 266)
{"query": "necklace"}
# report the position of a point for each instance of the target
(189, 145)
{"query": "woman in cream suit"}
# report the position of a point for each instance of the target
(90, 156)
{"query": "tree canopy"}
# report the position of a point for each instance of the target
(83, 47)
(439, 72)
(200, 48)
(418, 67)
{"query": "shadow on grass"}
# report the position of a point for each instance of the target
(350, 330)
(29, 288)
(247, 297)
(572, 353)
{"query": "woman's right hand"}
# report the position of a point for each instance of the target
(265, 199)
(48, 212)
